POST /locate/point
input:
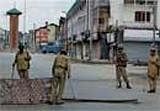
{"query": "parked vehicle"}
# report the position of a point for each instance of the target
(55, 48)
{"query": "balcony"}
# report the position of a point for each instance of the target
(102, 27)
(128, 1)
(137, 25)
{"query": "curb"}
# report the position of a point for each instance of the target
(106, 62)
(134, 101)
(101, 101)
(90, 62)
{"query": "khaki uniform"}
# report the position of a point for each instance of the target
(153, 71)
(121, 64)
(22, 61)
(60, 69)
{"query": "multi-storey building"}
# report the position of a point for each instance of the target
(138, 14)
(4, 39)
(139, 19)
(79, 21)
(53, 30)
(46, 34)
(41, 35)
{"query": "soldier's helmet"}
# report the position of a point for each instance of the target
(63, 52)
(153, 49)
(120, 47)
(21, 47)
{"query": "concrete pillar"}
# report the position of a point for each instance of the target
(13, 31)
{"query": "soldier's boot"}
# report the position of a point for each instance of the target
(119, 85)
(59, 101)
(49, 102)
(151, 91)
(128, 86)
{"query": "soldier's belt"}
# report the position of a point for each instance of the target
(122, 65)
(61, 67)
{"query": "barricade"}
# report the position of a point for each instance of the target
(21, 91)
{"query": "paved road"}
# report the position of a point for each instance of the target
(93, 74)
(41, 67)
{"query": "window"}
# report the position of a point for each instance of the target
(152, 2)
(142, 16)
(101, 20)
(148, 16)
(141, 2)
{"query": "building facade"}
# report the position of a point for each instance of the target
(41, 36)
(46, 34)
(62, 33)
(96, 21)
(134, 14)
(53, 30)
(140, 22)
(4, 39)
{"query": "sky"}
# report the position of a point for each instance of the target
(37, 12)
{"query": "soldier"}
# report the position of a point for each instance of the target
(22, 61)
(121, 64)
(153, 70)
(60, 70)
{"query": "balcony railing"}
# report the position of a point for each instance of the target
(99, 3)
(141, 2)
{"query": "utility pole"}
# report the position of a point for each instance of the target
(154, 21)
(115, 39)
(24, 20)
(72, 37)
(116, 32)
(90, 58)
(6, 37)
(14, 4)
(89, 28)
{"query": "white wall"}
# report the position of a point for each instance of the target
(116, 12)
(51, 33)
(139, 35)
(73, 25)
(129, 12)
(126, 13)
(158, 14)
